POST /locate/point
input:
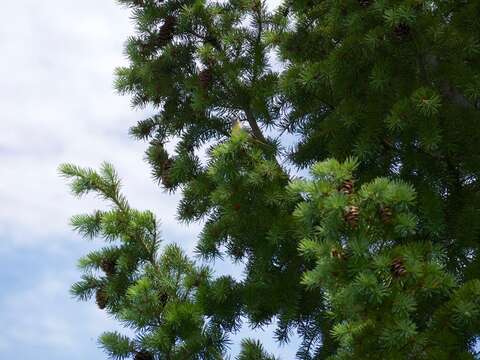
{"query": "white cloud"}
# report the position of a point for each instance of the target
(58, 106)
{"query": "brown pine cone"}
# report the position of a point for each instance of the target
(398, 268)
(163, 298)
(166, 30)
(143, 355)
(205, 77)
(386, 214)
(165, 176)
(401, 31)
(101, 298)
(338, 254)
(351, 216)
(197, 282)
(108, 266)
(346, 187)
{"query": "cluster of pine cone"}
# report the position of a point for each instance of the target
(352, 212)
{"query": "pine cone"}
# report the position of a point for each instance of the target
(197, 282)
(143, 355)
(166, 31)
(398, 268)
(386, 214)
(159, 158)
(205, 76)
(165, 176)
(256, 6)
(364, 3)
(351, 216)
(346, 187)
(101, 298)
(212, 40)
(236, 252)
(338, 254)
(108, 266)
(163, 298)
(401, 31)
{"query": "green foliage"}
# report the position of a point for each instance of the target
(382, 287)
(117, 345)
(151, 293)
(373, 255)
(253, 350)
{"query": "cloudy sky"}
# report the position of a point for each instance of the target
(58, 106)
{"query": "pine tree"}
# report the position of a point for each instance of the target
(374, 254)
(388, 295)
(394, 83)
(152, 293)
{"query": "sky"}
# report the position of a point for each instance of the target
(58, 105)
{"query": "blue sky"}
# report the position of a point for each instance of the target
(58, 105)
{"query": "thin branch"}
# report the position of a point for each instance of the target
(257, 132)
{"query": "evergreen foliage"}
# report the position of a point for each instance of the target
(374, 255)
(388, 295)
(152, 293)
(401, 104)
